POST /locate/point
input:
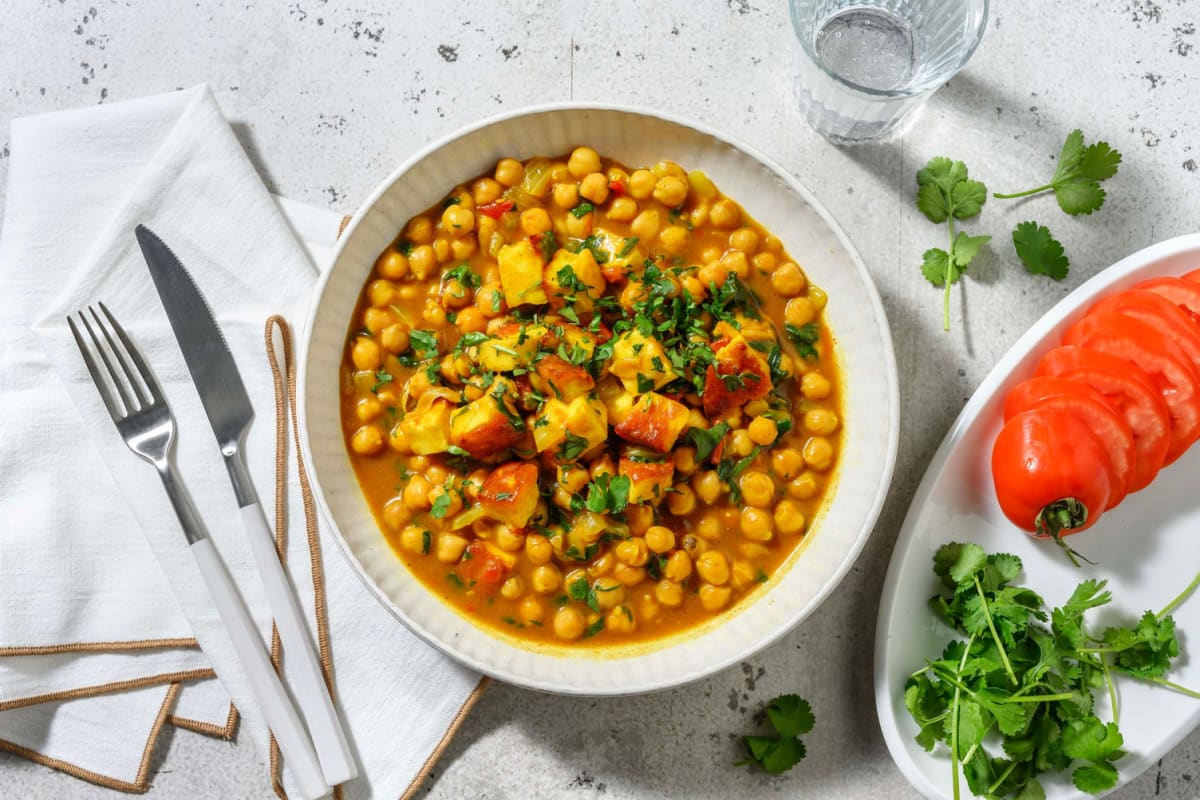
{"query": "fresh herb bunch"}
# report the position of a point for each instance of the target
(945, 193)
(1032, 684)
(791, 716)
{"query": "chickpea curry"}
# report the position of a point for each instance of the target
(571, 410)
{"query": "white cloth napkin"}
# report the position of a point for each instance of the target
(173, 164)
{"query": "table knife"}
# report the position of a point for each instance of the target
(230, 413)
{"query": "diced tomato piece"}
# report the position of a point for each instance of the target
(1128, 389)
(617, 187)
(739, 375)
(1090, 406)
(1160, 358)
(1160, 313)
(1185, 294)
(481, 569)
(496, 209)
(510, 493)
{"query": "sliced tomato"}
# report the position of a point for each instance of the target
(1090, 406)
(1159, 357)
(1185, 294)
(1160, 313)
(1052, 475)
(1193, 276)
(1127, 389)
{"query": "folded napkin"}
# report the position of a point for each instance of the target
(96, 559)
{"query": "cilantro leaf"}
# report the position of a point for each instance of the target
(783, 755)
(944, 191)
(1095, 778)
(441, 505)
(705, 441)
(965, 248)
(790, 715)
(1089, 739)
(935, 266)
(958, 562)
(805, 337)
(1040, 252)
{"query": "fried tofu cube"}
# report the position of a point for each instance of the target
(619, 267)
(427, 429)
(521, 274)
(637, 355)
(649, 480)
(484, 427)
(739, 375)
(654, 421)
(616, 400)
(562, 379)
(511, 346)
(510, 493)
(550, 425)
(573, 277)
(587, 426)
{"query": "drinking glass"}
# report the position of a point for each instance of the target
(866, 65)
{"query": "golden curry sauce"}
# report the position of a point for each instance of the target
(590, 404)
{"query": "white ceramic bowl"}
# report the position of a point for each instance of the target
(854, 315)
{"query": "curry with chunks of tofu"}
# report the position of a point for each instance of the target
(590, 404)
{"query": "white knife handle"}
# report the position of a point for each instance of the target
(277, 707)
(309, 687)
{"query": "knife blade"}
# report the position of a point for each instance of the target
(230, 413)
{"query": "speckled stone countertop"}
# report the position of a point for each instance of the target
(328, 96)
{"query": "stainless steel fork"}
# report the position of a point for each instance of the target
(136, 404)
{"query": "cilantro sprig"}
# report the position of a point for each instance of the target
(1076, 181)
(946, 193)
(790, 716)
(1032, 684)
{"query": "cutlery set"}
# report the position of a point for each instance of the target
(315, 750)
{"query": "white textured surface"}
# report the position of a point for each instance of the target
(331, 96)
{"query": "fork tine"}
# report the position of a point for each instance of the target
(142, 367)
(122, 359)
(114, 376)
(94, 369)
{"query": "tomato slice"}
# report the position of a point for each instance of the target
(1127, 389)
(1160, 313)
(1185, 294)
(1090, 406)
(1193, 276)
(1166, 364)
(1051, 473)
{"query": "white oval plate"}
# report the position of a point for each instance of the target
(855, 315)
(1146, 548)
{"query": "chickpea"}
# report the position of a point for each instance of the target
(392, 265)
(419, 464)
(583, 161)
(579, 227)
(594, 187)
(572, 477)
(764, 263)
(412, 539)
(645, 225)
(627, 575)
(679, 566)
(397, 442)
(376, 319)
(789, 518)
(368, 409)
(512, 588)
(509, 539)
(659, 539)
(763, 430)
(818, 297)
(671, 191)
(815, 386)
(758, 489)
(416, 493)
(422, 261)
(787, 463)
(454, 294)
(531, 610)
(648, 607)
(408, 292)
(509, 172)
(788, 280)
(633, 552)
(471, 320)
(436, 474)
(744, 239)
(458, 220)
(707, 486)
(695, 288)
(757, 524)
(735, 261)
(450, 547)
(561, 498)
(485, 190)
(489, 299)
(682, 501)
(538, 549)
(675, 239)
(634, 292)
(639, 518)
(396, 515)
(620, 620)
(419, 230)
(568, 623)
(669, 593)
(535, 221)
(752, 550)
(820, 421)
(713, 567)
(441, 249)
(799, 311)
(610, 593)
(602, 466)
(714, 598)
(566, 195)
(461, 249)
(622, 209)
(545, 579)
(602, 565)
(713, 273)
(394, 338)
(366, 354)
(641, 183)
(709, 527)
(741, 442)
(367, 440)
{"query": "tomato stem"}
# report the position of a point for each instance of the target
(1066, 514)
